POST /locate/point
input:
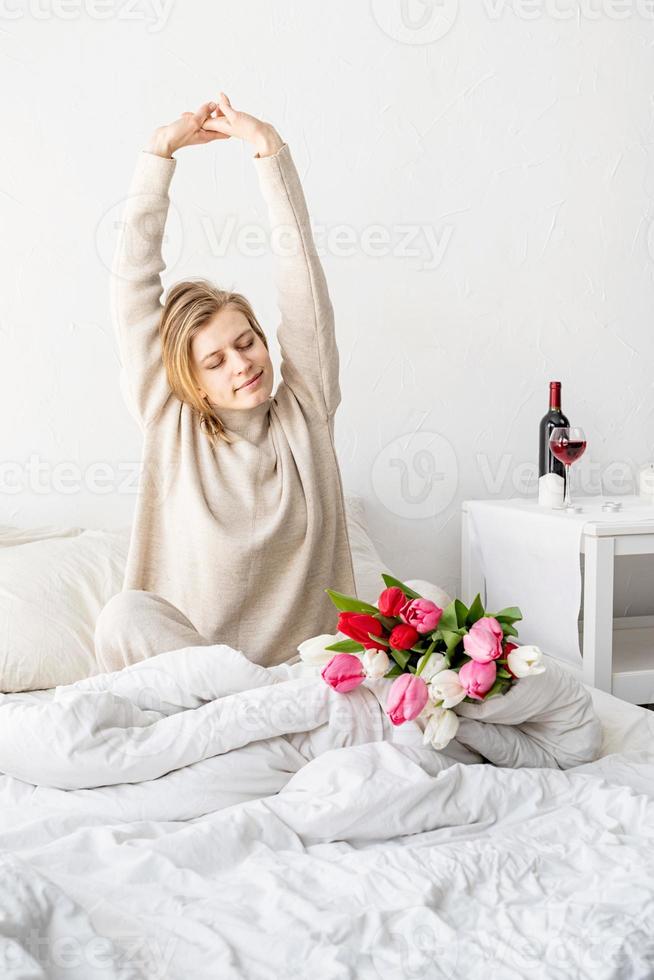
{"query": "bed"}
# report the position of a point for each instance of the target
(366, 864)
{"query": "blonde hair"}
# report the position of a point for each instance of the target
(188, 306)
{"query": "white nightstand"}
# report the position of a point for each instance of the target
(618, 655)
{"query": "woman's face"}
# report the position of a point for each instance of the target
(226, 354)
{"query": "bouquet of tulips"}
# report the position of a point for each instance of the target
(438, 657)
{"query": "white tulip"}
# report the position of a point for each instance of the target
(445, 687)
(375, 663)
(434, 665)
(526, 660)
(441, 727)
(312, 651)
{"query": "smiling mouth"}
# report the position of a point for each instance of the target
(251, 381)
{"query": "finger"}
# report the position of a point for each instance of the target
(204, 112)
(200, 138)
(225, 105)
(208, 137)
(220, 125)
(217, 126)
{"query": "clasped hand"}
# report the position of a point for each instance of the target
(215, 121)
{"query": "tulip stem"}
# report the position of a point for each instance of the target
(426, 655)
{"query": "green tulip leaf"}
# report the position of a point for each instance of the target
(346, 646)
(448, 620)
(461, 612)
(452, 639)
(388, 621)
(347, 604)
(499, 687)
(401, 657)
(475, 612)
(395, 583)
(509, 615)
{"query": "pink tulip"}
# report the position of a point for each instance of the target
(343, 672)
(406, 698)
(477, 678)
(423, 614)
(483, 641)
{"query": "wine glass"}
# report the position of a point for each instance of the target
(567, 444)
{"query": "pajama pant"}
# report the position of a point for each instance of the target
(135, 625)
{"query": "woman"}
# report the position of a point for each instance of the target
(239, 529)
(239, 525)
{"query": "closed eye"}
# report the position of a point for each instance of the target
(212, 366)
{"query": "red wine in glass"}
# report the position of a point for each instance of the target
(567, 444)
(568, 452)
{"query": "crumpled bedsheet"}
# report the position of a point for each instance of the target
(371, 860)
(187, 706)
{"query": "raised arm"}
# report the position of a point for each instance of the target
(306, 335)
(136, 287)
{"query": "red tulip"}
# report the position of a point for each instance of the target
(403, 637)
(358, 625)
(391, 601)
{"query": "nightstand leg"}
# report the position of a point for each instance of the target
(598, 612)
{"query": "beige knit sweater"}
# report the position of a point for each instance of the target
(244, 539)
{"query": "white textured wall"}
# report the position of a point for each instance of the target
(480, 181)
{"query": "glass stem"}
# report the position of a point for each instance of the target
(567, 500)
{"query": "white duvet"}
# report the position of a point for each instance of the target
(156, 823)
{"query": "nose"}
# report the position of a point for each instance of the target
(241, 365)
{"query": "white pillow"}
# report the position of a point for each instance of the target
(368, 564)
(54, 582)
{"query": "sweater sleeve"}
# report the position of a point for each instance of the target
(306, 335)
(136, 286)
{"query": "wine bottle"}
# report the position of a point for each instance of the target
(551, 472)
